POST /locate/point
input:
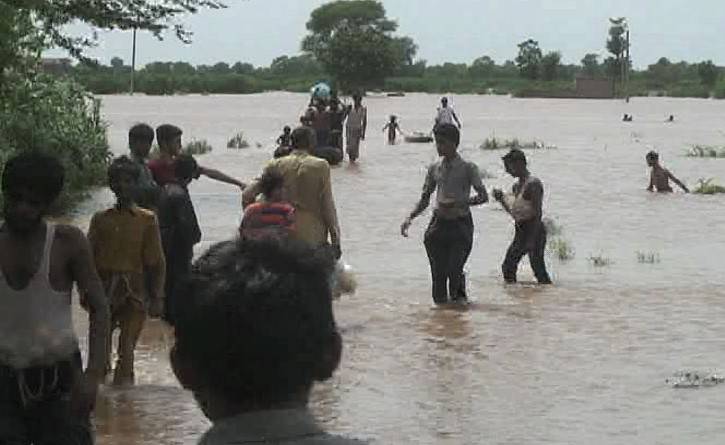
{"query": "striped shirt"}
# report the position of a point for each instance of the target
(268, 220)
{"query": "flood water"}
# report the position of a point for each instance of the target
(583, 361)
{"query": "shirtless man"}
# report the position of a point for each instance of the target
(660, 177)
(44, 393)
(525, 208)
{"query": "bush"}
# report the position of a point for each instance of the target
(706, 151)
(238, 141)
(706, 187)
(197, 147)
(57, 117)
(493, 143)
(648, 257)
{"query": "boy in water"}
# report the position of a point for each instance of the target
(146, 191)
(255, 332)
(126, 244)
(284, 139)
(530, 237)
(449, 237)
(273, 217)
(660, 177)
(179, 230)
(45, 397)
(393, 129)
(169, 140)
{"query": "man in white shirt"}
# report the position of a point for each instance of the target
(446, 115)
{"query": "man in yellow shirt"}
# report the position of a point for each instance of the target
(309, 188)
(126, 244)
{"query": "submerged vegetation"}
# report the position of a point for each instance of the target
(707, 187)
(648, 257)
(706, 151)
(238, 141)
(558, 245)
(599, 260)
(197, 147)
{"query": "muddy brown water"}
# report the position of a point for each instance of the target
(584, 361)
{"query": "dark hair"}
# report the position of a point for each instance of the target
(449, 132)
(38, 172)
(303, 138)
(167, 132)
(141, 132)
(185, 167)
(514, 155)
(270, 181)
(653, 156)
(123, 165)
(255, 321)
(286, 128)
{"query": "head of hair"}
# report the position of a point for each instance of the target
(270, 181)
(652, 156)
(254, 322)
(123, 165)
(166, 133)
(357, 97)
(393, 118)
(448, 132)
(514, 155)
(35, 171)
(286, 129)
(185, 167)
(141, 132)
(303, 138)
(444, 99)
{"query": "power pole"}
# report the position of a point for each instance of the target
(627, 66)
(133, 60)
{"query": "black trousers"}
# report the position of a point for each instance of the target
(530, 239)
(35, 405)
(448, 243)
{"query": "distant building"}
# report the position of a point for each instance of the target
(592, 88)
(58, 66)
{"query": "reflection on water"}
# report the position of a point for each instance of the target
(585, 360)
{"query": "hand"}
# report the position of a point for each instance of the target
(405, 226)
(336, 251)
(362, 137)
(85, 391)
(498, 195)
(242, 186)
(156, 309)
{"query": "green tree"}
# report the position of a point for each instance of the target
(117, 63)
(616, 45)
(354, 42)
(551, 65)
(483, 67)
(708, 73)
(529, 59)
(591, 66)
(243, 68)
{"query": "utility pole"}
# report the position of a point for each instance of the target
(133, 59)
(627, 62)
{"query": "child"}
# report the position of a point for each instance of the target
(525, 208)
(449, 237)
(126, 244)
(179, 230)
(284, 139)
(169, 139)
(393, 129)
(273, 217)
(660, 176)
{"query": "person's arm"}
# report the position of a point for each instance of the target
(651, 186)
(481, 194)
(249, 195)
(84, 274)
(386, 127)
(154, 266)
(678, 182)
(188, 224)
(428, 188)
(221, 177)
(364, 122)
(329, 211)
(456, 118)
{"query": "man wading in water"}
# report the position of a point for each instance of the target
(45, 397)
(449, 237)
(530, 238)
(357, 124)
(660, 177)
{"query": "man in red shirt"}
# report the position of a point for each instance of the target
(169, 139)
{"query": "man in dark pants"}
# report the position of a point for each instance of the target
(525, 208)
(449, 236)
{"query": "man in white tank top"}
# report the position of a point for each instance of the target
(45, 397)
(446, 115)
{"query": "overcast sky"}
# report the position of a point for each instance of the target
(257, 31)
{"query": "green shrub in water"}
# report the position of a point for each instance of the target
(706, 151)
(648, 257)
(238, 141)
(599, 260)
(552, 227)
(197, 147)
(493, 143)
(561, 249)
(706, 187)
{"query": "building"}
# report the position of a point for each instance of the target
(58, 66)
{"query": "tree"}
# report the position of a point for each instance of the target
(591, 66)
(243, 68)
(550, 65)
(529, 59)
(708, 73)
(617, 45)
(482, 67)
(354, 42)
(117, 63)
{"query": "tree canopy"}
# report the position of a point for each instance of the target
(354, 42)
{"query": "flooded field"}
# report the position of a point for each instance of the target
(583, 361)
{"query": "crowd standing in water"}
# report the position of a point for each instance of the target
(272, 287)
